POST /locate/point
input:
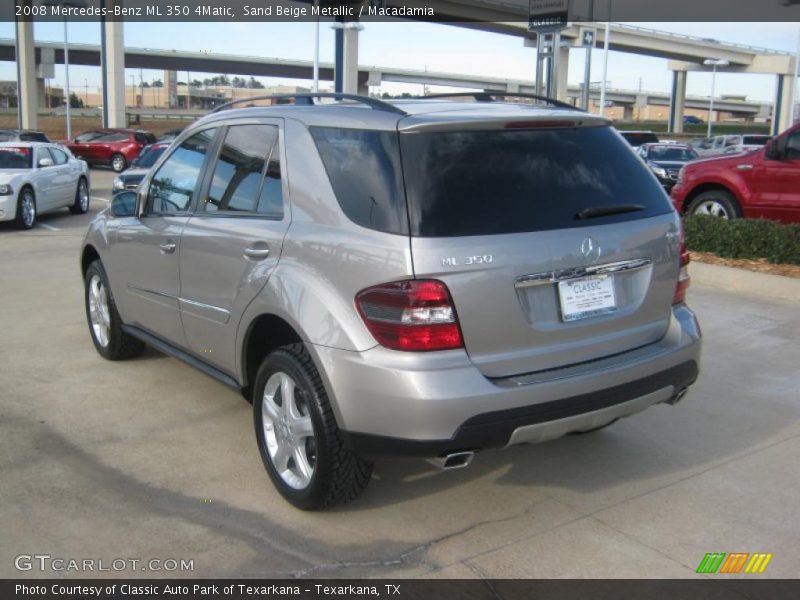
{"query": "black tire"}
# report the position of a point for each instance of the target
(118, 345)
(118, 163)
(25, 221)
(716, 203)
(338, 475)
(593, 429)
(81, 204)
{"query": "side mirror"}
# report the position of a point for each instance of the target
(123, 204)
(45, 162)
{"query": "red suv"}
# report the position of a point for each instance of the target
(114, 147)
(764, 183)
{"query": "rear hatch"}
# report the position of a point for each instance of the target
(556, 242)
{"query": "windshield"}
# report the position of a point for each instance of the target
(15, 158)
(510, 181)
(667, 153)
(150, 155)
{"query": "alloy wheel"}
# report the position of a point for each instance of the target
(83, 196)
(712, 208)
(28, 209)
(99, 312)
(288, 430)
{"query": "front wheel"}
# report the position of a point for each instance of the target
(105, 324)
(297, 434)
(118, 163)
(26, 210)
(81, 204)
(715, 203)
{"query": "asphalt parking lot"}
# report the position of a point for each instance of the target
(152, 459)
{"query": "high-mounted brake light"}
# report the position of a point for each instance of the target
(683, 274)
(416, 315)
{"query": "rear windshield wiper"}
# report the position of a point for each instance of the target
(604, 211)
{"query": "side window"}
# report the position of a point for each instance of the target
(247, 175)
(793, 146)
(41, 152)
(59, 156)
(172, 187)
(109, 138)
(140, 138)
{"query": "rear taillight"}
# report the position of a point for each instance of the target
(414, 315)
(683, 274)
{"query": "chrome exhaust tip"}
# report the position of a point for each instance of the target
(454, 460)
(678, 397)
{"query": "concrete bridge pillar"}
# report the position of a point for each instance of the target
(677, 102)
(782, 114)
(350, 70)
(26, 76)
(113, 67)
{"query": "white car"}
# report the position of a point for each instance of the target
(36, 178)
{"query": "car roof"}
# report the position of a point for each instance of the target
(26, 144)
(407, 114)
(666, 145)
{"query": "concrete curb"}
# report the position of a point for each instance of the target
(742, 281)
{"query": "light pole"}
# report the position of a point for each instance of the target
(71, 4)
(713, 63)
(315, 86)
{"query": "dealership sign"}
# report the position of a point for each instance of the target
(548, 15)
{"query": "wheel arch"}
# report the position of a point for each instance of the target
(89, 254)
(710, 186)
(265, 333)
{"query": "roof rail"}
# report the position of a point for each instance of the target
(307, 99)
(490, 96)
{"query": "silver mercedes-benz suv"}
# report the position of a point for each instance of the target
(424, 278)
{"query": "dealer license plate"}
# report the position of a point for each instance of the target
(587, 297)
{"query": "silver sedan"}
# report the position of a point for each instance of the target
(36, 178)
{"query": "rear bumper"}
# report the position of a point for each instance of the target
(399, 404)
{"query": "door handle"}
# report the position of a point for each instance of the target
(167, 247)
(744, 167)
(256, 253)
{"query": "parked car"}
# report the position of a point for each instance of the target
(130, 178)
(112, 147)
(666, 160)
(169, 136)
(692, 120)
(637, 138)
(36, 178)
(701, 145)
(764, 183)
(736, 144)
(22, 135)
(433, 310)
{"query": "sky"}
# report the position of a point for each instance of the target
(423, 45)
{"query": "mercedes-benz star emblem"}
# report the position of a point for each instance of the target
(591, 249)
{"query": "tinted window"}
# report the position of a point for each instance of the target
(668, 153)
(755, 140)
(33, 136)
(494, 182)
(87, 137)
(172, 187)
(15, 158)
(108, 138)
(364, 169)
(247, 176)
(141, 138)
(59, 156)
(636, 138)
(150, 154)
(793, 146)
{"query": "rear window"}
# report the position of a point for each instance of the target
(15, 158)
(363, 167)
(496, 182)
(755, 140)
(33, 136)
(667, 153)
(637, 138)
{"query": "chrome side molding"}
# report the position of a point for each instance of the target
(548, 277)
